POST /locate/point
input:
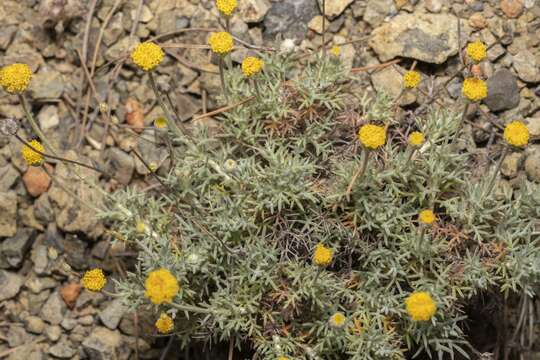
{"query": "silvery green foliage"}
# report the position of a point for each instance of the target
(244, 209)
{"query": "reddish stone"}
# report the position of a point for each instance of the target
(36, 180)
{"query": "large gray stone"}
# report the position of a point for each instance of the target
(14, 249)
(8, 214)
(10, 283)
(112, 314)
(426, 37)
(289, 18)
(102, 344)
(503, 91)
(54, 309)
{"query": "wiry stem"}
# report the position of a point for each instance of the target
(461, 121)
(34, 125)
(358, 173)
(170, 118)
(222, 78)
(496, 172)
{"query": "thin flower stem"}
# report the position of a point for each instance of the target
(410, 154)
(324, 27)
(319, 271)
(359, 173)
(222, 78)
(496, 172)
(170, 118)
(34, 125)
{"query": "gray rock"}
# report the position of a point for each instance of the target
(112, 314)
(533, 124)
(253, 11)
(6, 35)
(14, 249)
(102, 343)
(389, 81)
(68, 323)
(169, 21)
(377, 10)
(503, 91)
(10, 283)
(47, 84)
(86, 320)
(63, 350)
(75, 250)
(434, 6)
(334, 8)
(53, 332)
(532, 165)
(120, 164)
(54, 309)
(34, 325)
(430, 38)
(8, 177)
(17, 336)
(8, 214)
(114, 30)
(40, 259)
(37, 284)
(289, 18)
(525, 65)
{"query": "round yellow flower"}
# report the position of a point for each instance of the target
(516, 134)
(15, 78)
(282, 358)
(372, 136)
(252, 66)
(221, 42)
(140, 227)
(322, 255)
(164, 324)
(477, 51)
(147, 56)
(411, 79)
(161, 286)
(420, 306)
(427, 217)
(416, 139)
(94, 280)
(337, 320)
(161, 123)
(30, 156)
(474, 89)
(335, 50)
(226, 7)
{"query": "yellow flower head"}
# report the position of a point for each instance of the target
(164, 324)
(161, 123)
(322, 255)
(427, 217)
(30, 156)
(282, 358)
(416, 139)
(226, 7)
(474, 89)
(147, 56)
(477, 51)
(140, 227)
(337, 320)
(161, 286)
(516, 134)
(221, 42)
(411, 79)
(372, 136)
(420, 306)
(252, 66)
(15, 78)
(94, 280)
(335, 50)
(229, 165)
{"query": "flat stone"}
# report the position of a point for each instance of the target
(511, 163)
(8, 177)
(503, 91)
(10, 283)
(120, 164)
(54, 309)
(112, 314)
(253, 11)
(8, 214)
(48, 117)
(37, 284)
(289, 18)
(377, 10)
(53, 332)
(14, 249)
(63, 350)
(533, 124)
(430, 38)
(526, 66)
(47, 84)
(434, 6)
(334, 8)
(102, 343)
(34, 325)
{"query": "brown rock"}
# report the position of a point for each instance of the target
(512, 8)
(36, 181)
(477, 21)
(135, 115)
(70, 293)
